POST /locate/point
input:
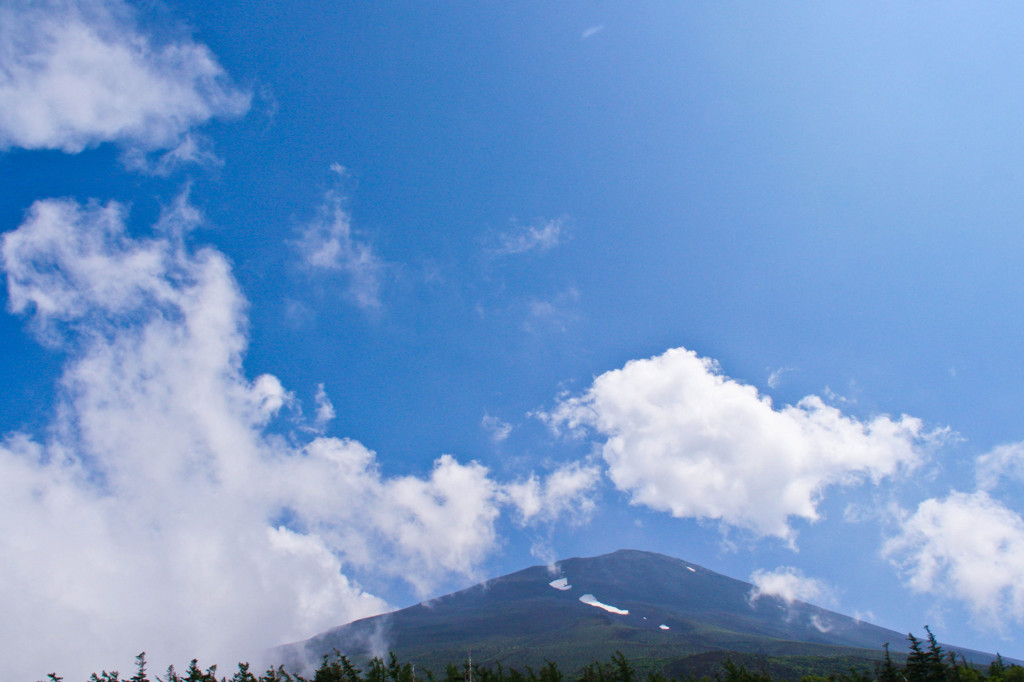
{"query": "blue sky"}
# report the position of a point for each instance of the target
(317, 310)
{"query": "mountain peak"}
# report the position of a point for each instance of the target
(641, 603)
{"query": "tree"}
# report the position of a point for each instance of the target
(996, 668)
(623, 670)
(278, 674)
(550, 672)
(1013, 673)
(170, 676)
(936, 667)
(197, 675)
(887, 671)
(741, 674)
(329, 670)
(377, 672)
(243, 674)
(349, 671)
(140, 669)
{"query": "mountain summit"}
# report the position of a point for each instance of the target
(671, 615)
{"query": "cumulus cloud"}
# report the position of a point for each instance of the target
(969, 546)
(159, 509)
(328, 244)
(76, 73)
(788, 584)
(681, 437)
(567, 491)
(541, 236)
(1004, 461)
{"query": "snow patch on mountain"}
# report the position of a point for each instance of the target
(560, 584)
(590, 599)
(663, 627)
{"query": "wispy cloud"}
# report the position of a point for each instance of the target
(553, 314)
(775, 376)
(497, 429)
(1003, 462)
(193, 149)
(324, 408)
(327, 243)
(591, 31)
(681, 437)
(540, 236)
(78, 73)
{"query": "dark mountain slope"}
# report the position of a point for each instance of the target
(666, 613)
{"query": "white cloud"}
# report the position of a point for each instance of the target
(968, 546)
(592, 30)
(192, 149)
(541, 236)
(788, 584)
(324, 407)
(76, 73)
(96, 271)
(497, 429)
(864, 616)
(158, 514)
(775, 376)
(683, 438)
(327, 243)
(1004, 461)
(567, 491)
(820, 623)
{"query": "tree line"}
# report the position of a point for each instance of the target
(927, 661)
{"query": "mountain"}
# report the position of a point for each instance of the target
(666, 614)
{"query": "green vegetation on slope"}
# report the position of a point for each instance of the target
(926, 662)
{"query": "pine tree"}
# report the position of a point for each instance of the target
(935, 660)
(452, 674)
(329, 671)
(171, 675)
(197, 675)
(888, 672)
(377, 671)
(996, 668)
(278, 674)
(623, 670)
(243, 674)
(349, 672)
(916, 669)
(550, 672)
(140, 669)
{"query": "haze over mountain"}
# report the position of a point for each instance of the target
(670, 614)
